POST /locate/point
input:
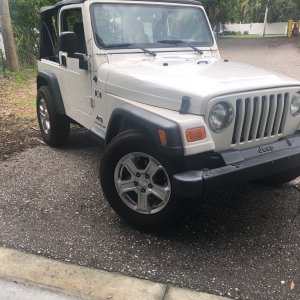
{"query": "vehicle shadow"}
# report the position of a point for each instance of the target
(236, 212)
(81, 138)
(246, 211)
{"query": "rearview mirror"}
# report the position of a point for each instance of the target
(68, 42)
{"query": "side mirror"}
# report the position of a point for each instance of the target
(68, 42)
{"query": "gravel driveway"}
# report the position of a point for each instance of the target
(243, 243)
(277, 54)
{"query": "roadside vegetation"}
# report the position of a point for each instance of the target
(18, 123)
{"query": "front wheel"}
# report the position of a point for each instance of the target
(136, 181)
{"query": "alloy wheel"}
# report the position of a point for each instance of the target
(142, 183)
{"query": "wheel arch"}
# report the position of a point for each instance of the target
(49, 79)
(129, 117)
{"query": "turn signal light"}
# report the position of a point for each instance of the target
(195, 134)
(163, 137)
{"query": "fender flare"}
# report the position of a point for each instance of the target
(149, 123)
(50, 79)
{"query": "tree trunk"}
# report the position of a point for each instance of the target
(8, 38)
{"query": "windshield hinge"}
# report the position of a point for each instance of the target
(92, 101)
(185, 105)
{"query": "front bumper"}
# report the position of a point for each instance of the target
(240, 167)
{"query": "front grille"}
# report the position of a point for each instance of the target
(260, 117)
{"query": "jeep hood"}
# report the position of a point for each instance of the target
(163, 83)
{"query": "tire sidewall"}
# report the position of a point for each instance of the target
(59, 124)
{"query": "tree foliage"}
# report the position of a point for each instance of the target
(26, 23)
(246, 11)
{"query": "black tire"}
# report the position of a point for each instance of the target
(281, 178)
(135, 142)
(59, 125)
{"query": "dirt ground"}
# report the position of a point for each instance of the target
(18, 125)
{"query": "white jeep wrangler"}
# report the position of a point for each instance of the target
(146, 78)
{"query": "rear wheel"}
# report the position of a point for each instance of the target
(137, 182)
(55, 128)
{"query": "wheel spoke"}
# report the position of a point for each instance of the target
(43, 116)
(126, 186)
(143, 204)
(151, 168)
(44, 105)
(160, 192)
(41, 108)
(47, 115)
(130, 166)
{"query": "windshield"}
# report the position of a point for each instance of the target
(129, 25)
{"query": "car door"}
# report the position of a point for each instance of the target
(77, 82)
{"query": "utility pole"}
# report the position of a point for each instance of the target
(8, 38)
(266, 18)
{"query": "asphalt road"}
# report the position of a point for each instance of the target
(243, 243)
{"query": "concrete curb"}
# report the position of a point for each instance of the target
(86, 283)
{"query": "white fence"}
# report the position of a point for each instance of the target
(258, 28)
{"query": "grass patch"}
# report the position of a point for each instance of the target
(18, 92)
(18, 121)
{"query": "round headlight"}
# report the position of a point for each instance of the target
(220, 116)
(295, 105)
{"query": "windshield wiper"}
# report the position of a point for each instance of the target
(127, 45)
(147, 51)
(176, 42)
